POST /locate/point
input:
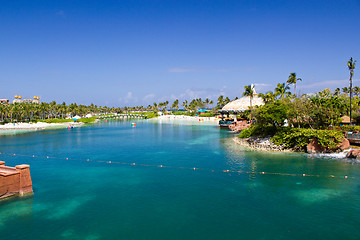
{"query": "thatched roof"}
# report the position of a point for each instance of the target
(346, 119)
(242, 104)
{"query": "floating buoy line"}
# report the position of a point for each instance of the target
(177, 167)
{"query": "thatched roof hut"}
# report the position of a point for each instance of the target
(242, 104)
(346, 120)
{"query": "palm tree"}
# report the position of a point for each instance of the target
(356, 91)
(52, 109)
(268, 97)
(63, 109)
(155, 107)
(211, 102)
(185, 104)
(165, 105)
(351, 65)
(220, 102)
(227, 100)
(175, 104)
(292, 80)
(207, 102)
(282, 90)
(249, 92)
(161, 105)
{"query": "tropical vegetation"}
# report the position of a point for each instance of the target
(293, 121)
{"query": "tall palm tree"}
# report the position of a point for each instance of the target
(220, 102)
(207, 102)
(268, 97)
(227, 100)
(155, 107)
(337, 92)
(2, 111)
(175, 104)
(292, 80)
(351, 65)
(346, 90)
(356, 91)
(249, 92)
(282, 90)
(185, 105)
(165, 105)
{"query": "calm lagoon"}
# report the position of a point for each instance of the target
(96, 199)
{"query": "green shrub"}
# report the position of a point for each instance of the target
(208, 114)
(246, 133)
(57, 120)
(300, 137)
(149, 115)
(350, 128)
(258, 131)
(87, 120)
(186, 113)
(179, 112)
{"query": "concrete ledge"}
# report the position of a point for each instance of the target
(22, 166)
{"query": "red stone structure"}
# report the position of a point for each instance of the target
(238, 126)
(15, 181)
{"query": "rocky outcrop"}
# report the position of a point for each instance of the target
(263, 144)
(315, 147)
(355, 153)
(345, 144)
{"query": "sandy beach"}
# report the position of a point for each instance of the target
(182, 119)
(37, 126)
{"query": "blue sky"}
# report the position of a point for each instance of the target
(119, 53)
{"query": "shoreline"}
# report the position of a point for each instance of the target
(195, 120)
(260, 144)
(264, 145)
(37, 126)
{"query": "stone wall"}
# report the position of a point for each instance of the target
(263, 144)
(15, 180)
(238, 126)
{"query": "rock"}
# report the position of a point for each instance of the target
(355, 153)
(314, 147)
(345, 144)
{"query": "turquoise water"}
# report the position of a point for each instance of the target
(79, 199)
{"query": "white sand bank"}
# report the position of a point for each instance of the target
(37, 126)
(186, 120)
